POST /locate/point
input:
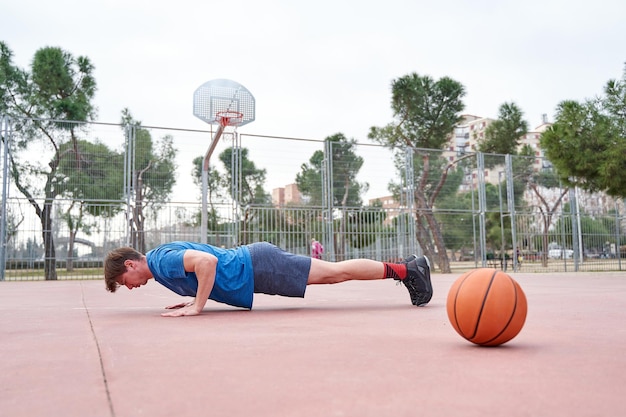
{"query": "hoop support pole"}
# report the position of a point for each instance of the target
(205, 184)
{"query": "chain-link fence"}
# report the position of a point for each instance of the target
(71, 192)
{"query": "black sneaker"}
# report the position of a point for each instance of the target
(417, 281)
(409, 259)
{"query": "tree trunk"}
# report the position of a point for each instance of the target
(544, 250)
(443, 260)
(427, 235)
(547, 218)
(431, 240)
(69, 263)
(49, 263)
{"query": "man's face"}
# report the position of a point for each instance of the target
(134, 276)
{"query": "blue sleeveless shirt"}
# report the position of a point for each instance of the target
(234, 282)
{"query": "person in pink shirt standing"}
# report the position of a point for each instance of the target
(316, 249)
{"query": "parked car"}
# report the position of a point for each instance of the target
(560, 254)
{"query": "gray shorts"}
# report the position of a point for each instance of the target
(277, 272)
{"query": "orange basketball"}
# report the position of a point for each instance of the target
(486, 306)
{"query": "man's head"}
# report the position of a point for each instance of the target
(115, 265)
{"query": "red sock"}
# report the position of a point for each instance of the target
(395, 271)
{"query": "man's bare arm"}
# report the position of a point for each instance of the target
(204, 266)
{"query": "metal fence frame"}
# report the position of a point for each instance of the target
(292, 227)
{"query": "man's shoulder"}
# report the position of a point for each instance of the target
(171, 251)
(178, 246)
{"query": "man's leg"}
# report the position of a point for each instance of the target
(323, 272)
(414, 273)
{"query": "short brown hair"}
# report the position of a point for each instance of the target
(114, 265)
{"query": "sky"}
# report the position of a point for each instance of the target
(323, 67)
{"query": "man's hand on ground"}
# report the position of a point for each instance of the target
(182, 309)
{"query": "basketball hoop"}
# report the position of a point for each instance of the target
(225, 103)
(229, 118)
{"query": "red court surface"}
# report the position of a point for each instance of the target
(69, 348)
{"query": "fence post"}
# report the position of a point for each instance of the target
(5, 134)
(327, 200)
(129, 168)
(238, 231)
(510, 195)
(409, 172)
(482, 206)
(618, 231)
(577, 246)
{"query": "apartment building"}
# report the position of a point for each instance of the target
(289, 194)
(471, 131)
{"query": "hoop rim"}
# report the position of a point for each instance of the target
(229, 117)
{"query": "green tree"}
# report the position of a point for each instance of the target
(13, 84)
(91, 180)
(496, 226)
(597, 233)
(13, 223)
(309, 179)
(250, 179)
(454, 214)
(503, 135)
(346, 190)
(216, 190)
(50, 102)
(587, 142)
(549, 196)
(153, 179)
(346, 164)
(425, 112)
(364, 225)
